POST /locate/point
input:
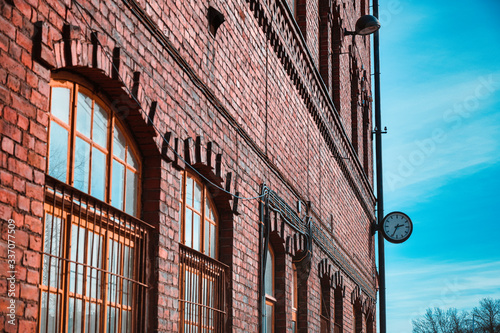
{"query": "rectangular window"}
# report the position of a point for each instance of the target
(94, 265)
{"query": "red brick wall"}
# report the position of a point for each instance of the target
(232, 90)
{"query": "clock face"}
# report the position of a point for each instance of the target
(397, 227)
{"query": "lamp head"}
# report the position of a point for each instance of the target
(366, 24)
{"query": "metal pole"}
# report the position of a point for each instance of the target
(379, 179)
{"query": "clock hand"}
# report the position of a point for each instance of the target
(396, 228)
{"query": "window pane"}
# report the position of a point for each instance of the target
(82, 167)
(189, 191)
(119, 144)
(98, 174)
(92, 317)
(58, 152)
(50, 310)
(84, 114)
(52, 245)
(213, 238)
(269, 274)
(269, 318)
(191, 295)
(76, 270)
(131, 160)
(111, 320)
(117, 186)
(196, 232)
(197, 196)
(95, 243)
(114, 257)
(207, 238)
(126, 321)
(188, 228)
(128, 263)
(59, 105)
(75, 315)
(131, 193)
(100, 129)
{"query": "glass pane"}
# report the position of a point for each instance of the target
(191, 295)
(92, 317)
(269, 318)
(117, 186)
(126, 321)
(82, 167)
(213, 239)
(189, 191)
(207, 208)
(75, 315)
(131, 160)
(58, 152)
(52, 245)
(59, 105)
(49, 315)
(131, 193)
(207, 238)
(98, 174)
(100, 129)
(119, 143)
(84, 114)
(269, 274)
(196, 232)
(128, 263)
(76, 270)
(188, 228)
(197, 197)
(114, 256)
(111, 320)
(95, 242)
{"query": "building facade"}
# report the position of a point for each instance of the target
(185, 166)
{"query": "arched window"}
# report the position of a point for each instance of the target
(270, 288)
(94, 248)
(202, 277)
(295, 299)
(89, 148)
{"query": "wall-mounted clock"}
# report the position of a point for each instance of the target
(397, 227)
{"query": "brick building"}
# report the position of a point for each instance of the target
(185, 166)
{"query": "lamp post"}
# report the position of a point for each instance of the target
(365, 25)
(379, 176)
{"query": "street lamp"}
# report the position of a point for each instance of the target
(365, 25)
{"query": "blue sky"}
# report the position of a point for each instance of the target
(440, 82)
